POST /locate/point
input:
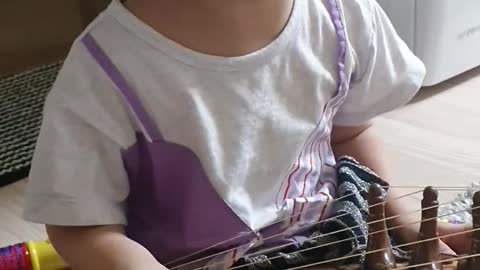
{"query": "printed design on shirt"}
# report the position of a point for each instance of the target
(307, 170)
(305, 211)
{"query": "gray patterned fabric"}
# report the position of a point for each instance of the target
(347, 229)
(22, 97)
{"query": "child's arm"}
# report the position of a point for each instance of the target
(362, 143)
(78, 180)
(100, 248)
(387, 75)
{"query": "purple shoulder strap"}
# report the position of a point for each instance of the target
(143, 119)
(336, 16)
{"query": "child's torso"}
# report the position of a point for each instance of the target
(259, 124)
(256, 122)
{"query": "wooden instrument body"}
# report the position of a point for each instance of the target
(448, 266)
(369, 217)
(426, 251)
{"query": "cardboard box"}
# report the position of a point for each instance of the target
(35, 32)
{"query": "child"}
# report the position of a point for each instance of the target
(174, 126)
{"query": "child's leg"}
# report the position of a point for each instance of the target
(459, 243)
(363, 144)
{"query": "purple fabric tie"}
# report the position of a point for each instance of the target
(144, 120)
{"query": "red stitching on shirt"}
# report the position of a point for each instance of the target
(299, 159)
(301, 209)
(311, 169)
(293, 211)
(320, 168)
(290, 180)
(324, 207)
(234, 255)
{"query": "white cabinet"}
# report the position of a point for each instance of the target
(445, 34)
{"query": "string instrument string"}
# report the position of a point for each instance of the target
(280, 234)
(451, 188)
(357, 237)
(323, 235)
(348, 239)
(371, 252)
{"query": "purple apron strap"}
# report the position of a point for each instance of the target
(335, 13)
(143, 119)
(343, 86)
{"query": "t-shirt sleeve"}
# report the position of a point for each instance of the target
(387, 73)
(77, 176)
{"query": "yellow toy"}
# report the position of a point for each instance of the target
(31, 256)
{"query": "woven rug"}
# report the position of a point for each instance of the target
(22, 97)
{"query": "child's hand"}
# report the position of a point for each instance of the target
(99, 248)
(446, 250)
(459, 242)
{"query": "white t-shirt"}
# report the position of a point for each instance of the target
(247, 118)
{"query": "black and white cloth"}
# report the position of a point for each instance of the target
(342, 234)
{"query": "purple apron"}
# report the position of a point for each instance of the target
(191, 218)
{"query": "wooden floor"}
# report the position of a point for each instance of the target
(433, 141)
